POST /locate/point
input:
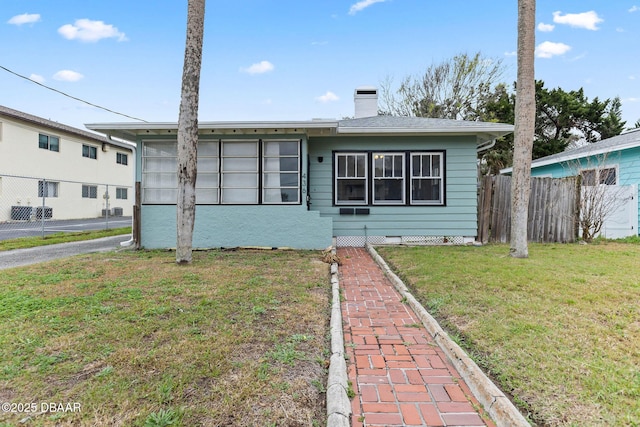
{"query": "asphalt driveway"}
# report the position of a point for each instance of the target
(20, 257)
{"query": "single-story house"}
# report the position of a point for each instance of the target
(301, 184)
(55, 171)
(613, 162)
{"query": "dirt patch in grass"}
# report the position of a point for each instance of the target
(558, 331)
(237, 338)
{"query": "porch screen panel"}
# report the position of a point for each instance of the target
(240, 172)
(160, 172)
(208, 179)
(281, 172)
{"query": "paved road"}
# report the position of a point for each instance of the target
(12, 230)
(20, 257)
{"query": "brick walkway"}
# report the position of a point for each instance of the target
(400, 376)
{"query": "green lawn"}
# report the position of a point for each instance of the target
(237, 338)
(559, 331)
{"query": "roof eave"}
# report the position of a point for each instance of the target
(131, 131)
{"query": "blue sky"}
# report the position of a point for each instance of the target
(292, 60)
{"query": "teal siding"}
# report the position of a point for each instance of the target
(457, 218)
(627, 161)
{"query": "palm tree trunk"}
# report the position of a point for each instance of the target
(188, 131)
(525, 111)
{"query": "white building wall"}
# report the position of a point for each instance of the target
(20, 156)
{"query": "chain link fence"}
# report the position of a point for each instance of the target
(32, 206)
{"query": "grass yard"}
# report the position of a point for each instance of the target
(559, 331)
(132, 339)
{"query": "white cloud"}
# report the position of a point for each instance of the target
(68, 76)
(258, 68)
(362, 4)
(87, 30)
(545, 28)
(551, 49)
(25, 18)
(588, 20)
(37, 78)
(328, 97)
(512, 53)
(634, 9)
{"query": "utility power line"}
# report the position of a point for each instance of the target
(70, 96)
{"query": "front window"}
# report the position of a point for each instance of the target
(229, 172)
(160, 172)
(47, 142)
(89, 192)
(47, 189)
(240, 172)
(351, 178)
(388, 178)
(89, 151)
(397, 178)
(281, 172)
(427, 184)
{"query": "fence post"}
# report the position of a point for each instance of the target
(106, 197)
(44, 199)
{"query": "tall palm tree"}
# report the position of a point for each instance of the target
(525, 111)
(188, 131)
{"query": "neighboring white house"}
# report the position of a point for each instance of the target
(60, 171)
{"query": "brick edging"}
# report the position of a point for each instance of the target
(494, 401)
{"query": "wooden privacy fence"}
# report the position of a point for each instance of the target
(554, 209)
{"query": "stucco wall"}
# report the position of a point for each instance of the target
(20, 156)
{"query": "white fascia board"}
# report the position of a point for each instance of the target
(581, 155)
(130, 130)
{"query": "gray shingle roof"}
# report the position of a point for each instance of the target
(626, 140)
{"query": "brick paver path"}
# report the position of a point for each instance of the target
(400, 376)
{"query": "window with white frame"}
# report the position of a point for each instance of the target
(427, 181)
(47, 142)
(397, 178)
(351, 175)
(89, 191)
(207, 182)
(388, 178)
(47, 189)
(281, 172)
(605, 176)
(239, 172)
(229, 172)
(159, 172)
(122, 159)
(89, 151)
(122, 193)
